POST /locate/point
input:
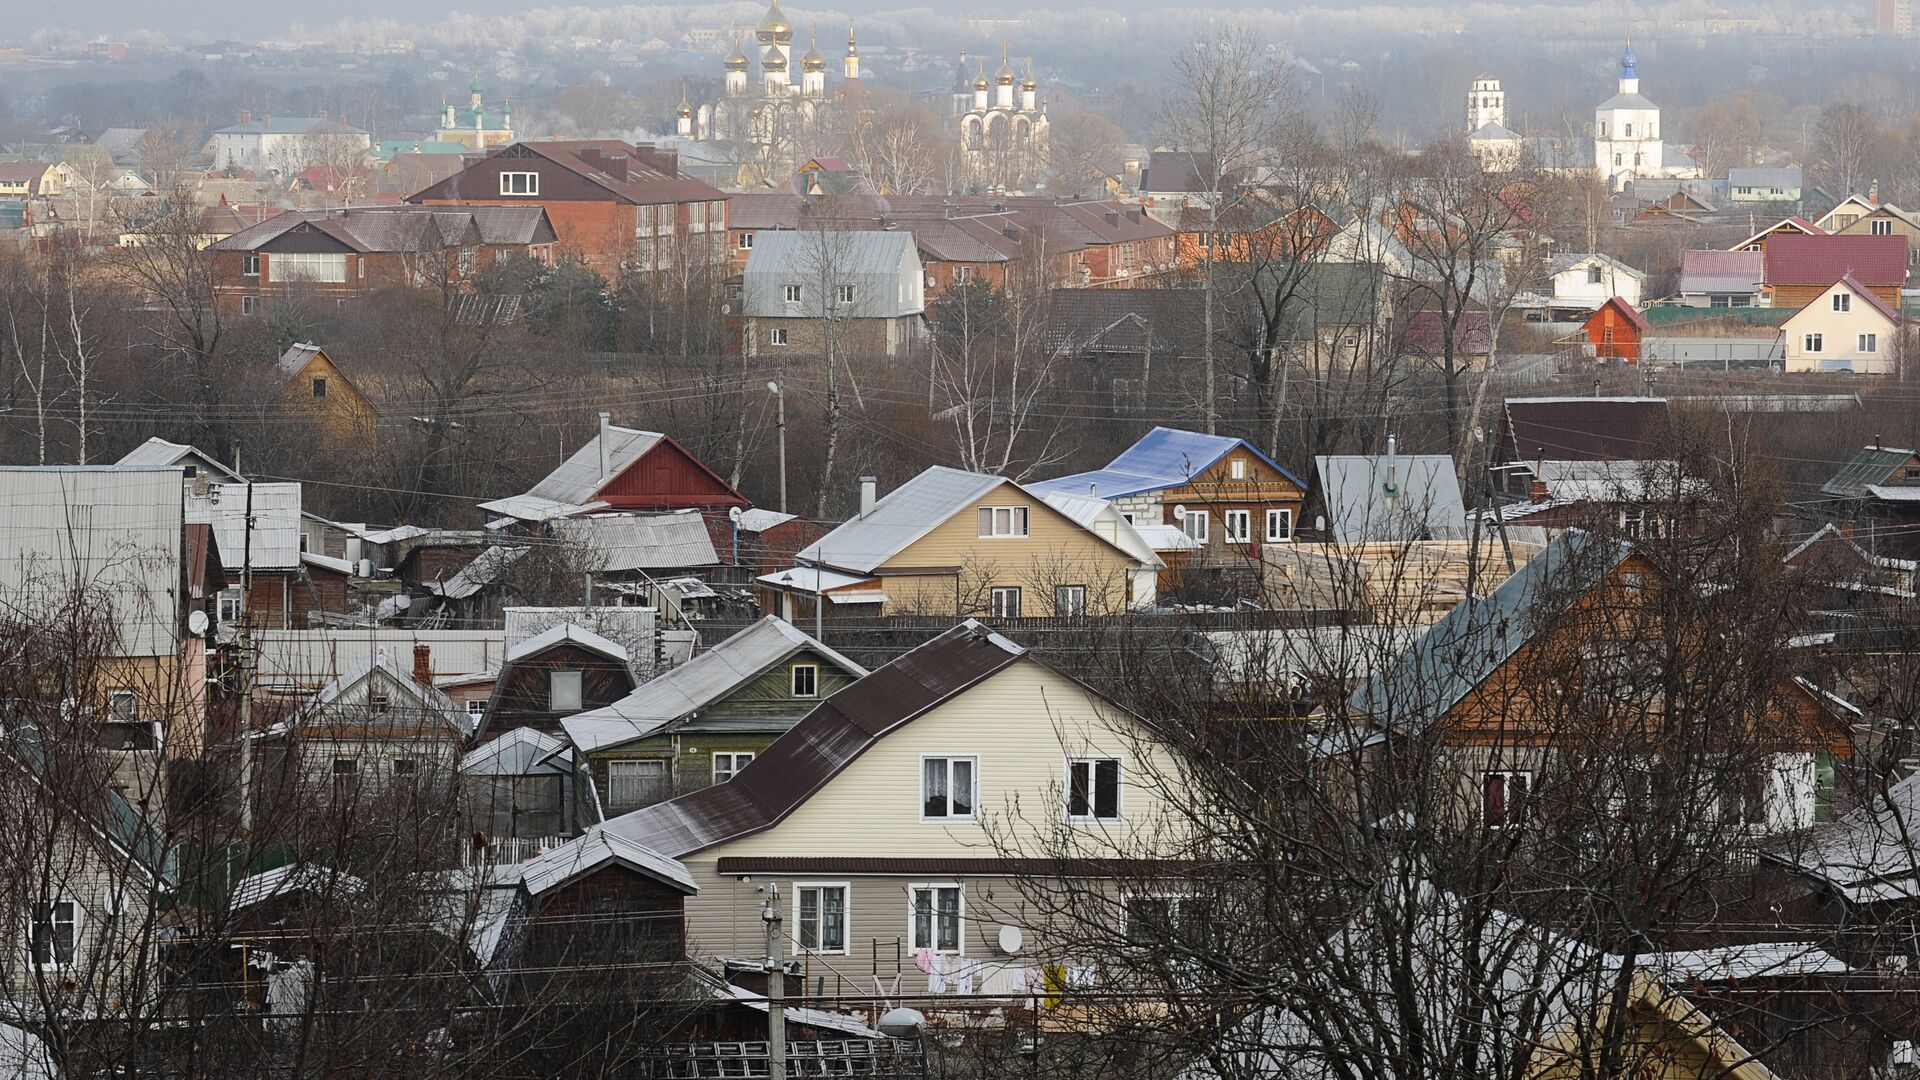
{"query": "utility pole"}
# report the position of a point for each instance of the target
(246, 672)
(776, 987)
(780, 426)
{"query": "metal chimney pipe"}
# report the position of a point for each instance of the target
(869, 489)
(606, 448)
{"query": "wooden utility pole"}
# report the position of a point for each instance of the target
(246, 671)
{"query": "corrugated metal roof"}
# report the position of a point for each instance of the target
(900, 517)
(1722, 271)
(485, 568)
(696, 684)
(427, 699)
(1103, 519)
(1757, 960)
(617, 543)
(836, 732)
(158, 452)
(566, 632)
(275, 543)
(521, 752)
(1583, 429)
(758, 520)
(1872, 853)
(1424, 496)
(811, 579)
(1473, 640)
(1788, 177)
(1163, 458)
(594, 849)
(578, 479)
(309, 659)
(1872, 465)
(1878, 261)
(297, 356)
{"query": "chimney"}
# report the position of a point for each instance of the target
(267, 119)
(869, 488)
(1537, 491)
(423, 665)
(1873, 193)
(1113, 219)
(614, 165)
(245, 117)
(606, 443)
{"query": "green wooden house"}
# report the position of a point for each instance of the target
(699, 723)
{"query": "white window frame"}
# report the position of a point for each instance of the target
(476, 708)
(1815, 343)
(405, 766)
(316, 267)
(1177, 900)
(554, 680)
(949, 818)
(995, 601)
(1197, 525)
(379, 701)
(844, 294)
(123, 706)
(846, 918)
(745, 243)
(249, 305)
(1092, 816)
(914, 889)
(1278, 535)
(1869, 343)
(520, 183)
(1507, 817)
(1880, 227)
(76, 919)
(1237, 468)
(813, 680)
(777, 336)
(250, 264)
(1017, 522)
(1243, 519)
(791, 294)
(1842, 302)
(1076, 607)
(736, 760)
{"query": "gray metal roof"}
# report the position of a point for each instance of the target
(1376, 497)
(297, 356)
(616, 543)
(899, 518)
(1480, 634)
(1873, 853)
(428, 700)
(275, 543)
(597, 848)
(696, 684)
(1785, 178)
(567, 633)
(1872, 465)
(1572, 260)
(158, 452)
(578, 478)
(1627, 101)
(882, 267)
(831, 737)
(520, 752)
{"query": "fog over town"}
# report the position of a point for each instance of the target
(1288, 542)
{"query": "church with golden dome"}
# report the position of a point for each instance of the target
(771, 120)
(1002, 125)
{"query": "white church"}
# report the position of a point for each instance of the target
(1626, 144)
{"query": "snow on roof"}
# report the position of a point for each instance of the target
(597, 848)
(578, 635)
(1163, 458)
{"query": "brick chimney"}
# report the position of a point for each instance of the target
(423, 665)
(245, 117)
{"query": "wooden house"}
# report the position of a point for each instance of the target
(316, 386)
(1615, 331)
(703, 721)
(1800, 269)
(554, 675)
(622, 470)
(378, 727)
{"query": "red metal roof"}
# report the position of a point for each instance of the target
(1875, 261)
(1626, 311)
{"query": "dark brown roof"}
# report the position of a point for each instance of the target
(1583, 429)
(404, 227)
(638, 174)
(1123, 321)
(826, 741)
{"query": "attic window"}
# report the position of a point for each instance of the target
(1003, 521)
(320, 388)
(563, 691)
(1593, 274)
(378, 703)
(519, 183)
(1238, 469)
(1842, 301)
(806, 680)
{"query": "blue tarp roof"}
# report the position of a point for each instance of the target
(1163, 458)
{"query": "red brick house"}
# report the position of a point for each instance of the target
(347, 253)
(619, 207)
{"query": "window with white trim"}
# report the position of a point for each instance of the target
(1237, 469)
(1093, 789)
(1003, 601)
(1869, 343)
(728, 763)
(843, 294)
(1503, 797)
(1842, 301)
(346, 776)
(1881, 227)
(790, 293)
(476, 708)
(820, 917)
(379, 703)
(56, 934)
(947, 788)
(1153, 919)
(937, 916)
(777, 336)
(1195, 525)
(746, 241)
(563, 691)
(804, 680)
(639, 782)
(249, 305)
(122, 706)
(1003, 521)
(1238, 526)
(1815, 343)
(1279, 526)
(250, 264)
(519, 183)
(1070, 601)
(317, 266)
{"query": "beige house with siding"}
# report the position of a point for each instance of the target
(896, 822)
(950, 542)
(1847, 328)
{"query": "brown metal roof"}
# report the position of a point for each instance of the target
(826, 741)
(1584, 429)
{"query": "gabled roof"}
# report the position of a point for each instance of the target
(157, 451)
(1493, 132)
(1571, 260)
(1876, 261)
(597, 848)
(1481, 634)
(619, 543)
(428, 700)
(567, 633)
(403, 228)
(523, 751)
(1737, 271)
(1872, 465)
(1852, 285)
(830, 738)
(1163, 458)
(899, 518)
(572, 487)
(1782, 177)
(632, 174)
(1873, 853)
(1426, 333)
(694, 685)
(297, 357)
(290, 125)
(1626, 311)
(1425, 496)
(1795, 223)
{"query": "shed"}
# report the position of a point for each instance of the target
(1615, 331)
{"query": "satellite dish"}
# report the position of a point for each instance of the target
(1010, 940)
(197, 623)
